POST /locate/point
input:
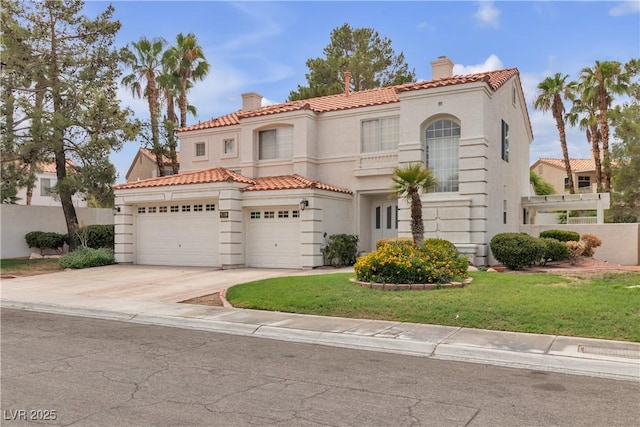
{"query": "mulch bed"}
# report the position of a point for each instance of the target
(210, 299)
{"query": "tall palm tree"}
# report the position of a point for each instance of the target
(169, 84)
(551, 92)
(583, 114)
(189, 63)
(599, 84)
(407, 182)
(145, 62)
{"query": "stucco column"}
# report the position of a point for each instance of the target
(123, 238)
(230, 253)
(311, 239)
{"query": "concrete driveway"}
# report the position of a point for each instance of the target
(147, 283)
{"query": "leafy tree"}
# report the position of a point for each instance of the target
(625, 154)
(599, 84)
(69, 93)
(169, 84)
(407, 182)
(541, 187)
(145, 61)
(369, 58)
(551, 92)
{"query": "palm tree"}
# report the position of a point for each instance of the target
(407, 182)
(188, 62)
(583, 114)
(599, 83)
(145, 62)
(169, 84)
(550, 93)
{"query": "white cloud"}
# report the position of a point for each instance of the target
(491, 63)
(487, 14)
(625, 8)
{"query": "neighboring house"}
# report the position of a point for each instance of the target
(42, 194)
(261, 187)
(554, 172)
(144, 166)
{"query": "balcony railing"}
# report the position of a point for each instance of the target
(381, 158)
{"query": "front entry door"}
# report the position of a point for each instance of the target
(384, 219)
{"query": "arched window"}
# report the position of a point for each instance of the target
(443, 142)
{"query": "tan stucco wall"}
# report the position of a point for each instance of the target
(620, 242)
(17, 221)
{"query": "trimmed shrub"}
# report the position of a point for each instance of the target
(87, 257)
(341, 250)
(562, 235)
(517, 250)
(394, 241)
(591, 242)
(400, 261)
(45, 240)
(576, 249)
(554, 250)
(97, 236)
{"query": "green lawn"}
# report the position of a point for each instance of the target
(28, 267)
(607, 307)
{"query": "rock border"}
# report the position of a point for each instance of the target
(412, 287)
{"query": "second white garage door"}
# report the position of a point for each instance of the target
(273, 237)
(184, 233)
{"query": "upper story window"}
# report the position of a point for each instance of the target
(200, 149)
(229, 146)
(380, 134)
(583, 181)
(505, 141)
(275, 143)
(45, 187)
(443, 146)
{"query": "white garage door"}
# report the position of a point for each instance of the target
(184, 233)
(273, 238)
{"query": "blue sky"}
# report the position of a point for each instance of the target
(263, 46)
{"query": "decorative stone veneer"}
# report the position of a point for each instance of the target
(413, 287)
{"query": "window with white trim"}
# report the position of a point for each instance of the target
(163, 209)
(175, 208)
(255, 215)
(45, 187)
(275, 143)
(200, 149)
(283, 214)
(380, 134)
(186, 208)
(443, 146)
(209, 207)
(197, 208)
(229, 146)
(295, 214)
(269, 214)
(141, 210)
(505, 141)
(152, 209)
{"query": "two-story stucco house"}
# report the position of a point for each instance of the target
(554, 172)
(43, 193)
(144, 166)
(262, 186)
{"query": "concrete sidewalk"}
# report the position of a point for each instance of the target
(581, 356)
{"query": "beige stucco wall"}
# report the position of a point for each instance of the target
(18, 220)
(37, 199)
(143, 168)
(327, 148)
(555, 176)
(620, 242)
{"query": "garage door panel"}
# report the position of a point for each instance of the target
(273, 238)
(188, 238)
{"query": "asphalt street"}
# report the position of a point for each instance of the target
(65, 370)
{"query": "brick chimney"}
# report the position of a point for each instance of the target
(251, 101)
(347, 82)
(441, 68)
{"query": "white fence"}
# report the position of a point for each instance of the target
(620, 242)
(17, 220)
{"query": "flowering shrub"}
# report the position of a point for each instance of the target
(591, 242)
(576, 249)
(400, 261)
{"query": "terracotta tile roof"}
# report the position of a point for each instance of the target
(495, 80)
(284, 182)
(195, 177)
(577, 165)
(290, 182)
(365, 98)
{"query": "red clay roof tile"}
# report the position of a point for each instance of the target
(577, 165)
(284, 182)
(365, 98)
